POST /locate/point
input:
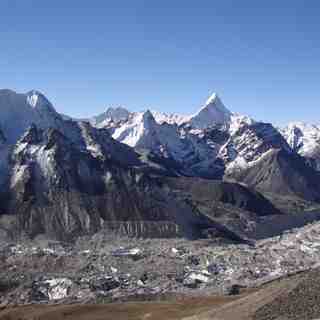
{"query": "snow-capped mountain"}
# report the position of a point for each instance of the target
(212, 113)
(304, 139)
(171, 118)
(193, 142)
(141, 131)
(62, 177)
(111, 115)
(18, 111)
(216, 142)
(121, 114)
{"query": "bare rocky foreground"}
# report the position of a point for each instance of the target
(63, 280)
(294, 297)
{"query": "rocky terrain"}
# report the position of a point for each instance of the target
(104, 268)
(139, 206)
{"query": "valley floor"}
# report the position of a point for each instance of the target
(290, 298)
(274, 278)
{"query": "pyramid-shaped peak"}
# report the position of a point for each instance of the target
(212, 113)
(213, 98)
(214, 102)
(147, 119)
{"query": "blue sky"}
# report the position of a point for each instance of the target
(262, 57)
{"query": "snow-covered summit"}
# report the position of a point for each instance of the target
(303, 138)
(213, 112)
(193, 141)
(138, 126)
(121, 114)
(19, 110)
(299, 133)
(36, 99)
(171, 118)
(214, 98)
(115, 115)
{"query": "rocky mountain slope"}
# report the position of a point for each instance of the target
(216, 143)
(64, 178)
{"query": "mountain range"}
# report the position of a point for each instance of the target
(149, 173)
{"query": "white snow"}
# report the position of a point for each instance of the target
(139, 125)
(20, 111)
(183, 138)
(213, 112)
(32, 99)
(237, 121)
(115, 115)
(212, 99)
(180, 137)
(171, 118)
(303, 138)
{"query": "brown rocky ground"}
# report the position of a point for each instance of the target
(290, 298)
(180, 279)
(117, 311)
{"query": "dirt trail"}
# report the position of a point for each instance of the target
(116, 311)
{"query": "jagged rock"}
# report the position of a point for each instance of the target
(105, 284)
(51, 289)
(194, 278)
(62, 178)
(235, 290)
(215, 268)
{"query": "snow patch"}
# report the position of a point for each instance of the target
(32, 99)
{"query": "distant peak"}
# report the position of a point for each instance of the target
(37, 99)
(212, 98)
(215, 102)
(116, 109)
(148, 118)
(148, 114)
(213, 112)
(116, 114)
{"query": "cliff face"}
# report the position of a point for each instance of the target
(64, 178)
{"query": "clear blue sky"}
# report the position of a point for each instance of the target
(262, 57)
